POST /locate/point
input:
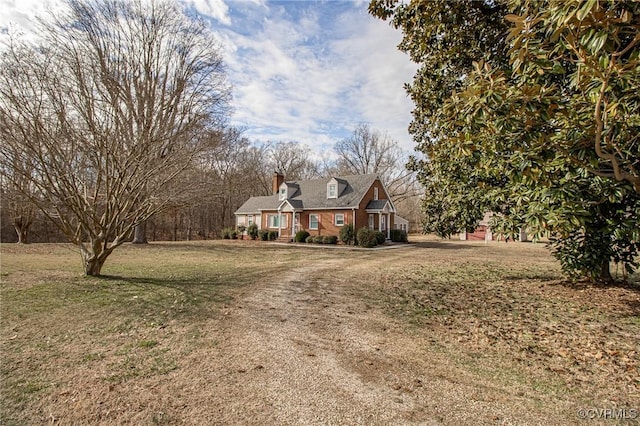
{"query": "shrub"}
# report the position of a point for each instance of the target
(273, 235)
(317, 239)
(301, 236)
(398, 236)
(347, 235)
(380, 237)
(252, 231)
(241, 229)
(309, 239)
(233, 235)
(226, 233)
(366, 238)
(329, 239)
(264, 234)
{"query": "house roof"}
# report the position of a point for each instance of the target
(376, 204)
(312, 194)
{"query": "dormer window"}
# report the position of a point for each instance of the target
(335, 187)
(375, 193)
(332, 190)
(282, 193)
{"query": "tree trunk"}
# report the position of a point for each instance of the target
(93, 263)
(605, 271)
(140, 234)
(23, 233)
(22, 225)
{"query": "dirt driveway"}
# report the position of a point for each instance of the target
(301, 351)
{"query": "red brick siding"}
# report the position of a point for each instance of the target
(326, 221)
(362, 217)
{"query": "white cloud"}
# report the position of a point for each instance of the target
(21, 14)
(309, 76)
(216, 9)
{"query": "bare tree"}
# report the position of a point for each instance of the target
(372, 151)
(22, 212)
(291, 159)
(108, 106)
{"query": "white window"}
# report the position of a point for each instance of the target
(339, 219)
(273, 220)
(375, 193)
(332, 191)
(250, 219)
(371, 221)
(383, 225)
(282, 195)
(313, 221)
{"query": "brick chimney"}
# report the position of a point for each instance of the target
(277, 181)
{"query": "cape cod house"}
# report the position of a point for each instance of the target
(321, 206)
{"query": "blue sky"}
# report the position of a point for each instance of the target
(306, 71)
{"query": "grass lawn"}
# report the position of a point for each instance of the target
(134, 323)
(501, 312)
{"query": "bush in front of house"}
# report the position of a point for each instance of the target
(273, 235)
(301, 236)
(347, 236)
(399, 236)
(309, 239)
(226, 233)
(241, 229)
(252, 231)
(366, 237)
(317, 239)
(263, 234)
(380, 237)
(329, 239)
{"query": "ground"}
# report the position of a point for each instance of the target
(437, 332)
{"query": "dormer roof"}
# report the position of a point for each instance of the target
(312, 194)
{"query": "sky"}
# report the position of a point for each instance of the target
(301, 70)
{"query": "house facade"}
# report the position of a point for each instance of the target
(321, 206)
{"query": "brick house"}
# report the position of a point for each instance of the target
(321, 206)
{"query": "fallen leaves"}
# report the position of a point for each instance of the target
(588, 336)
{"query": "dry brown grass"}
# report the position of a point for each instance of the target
(173, 333)
(505, 310)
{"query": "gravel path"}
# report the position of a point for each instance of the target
(301, 351)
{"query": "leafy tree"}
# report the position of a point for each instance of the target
(109, 105)
(594, 47)
(446, 38)
(533, 139)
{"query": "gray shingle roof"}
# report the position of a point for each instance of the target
(376, 204)
(312, 194)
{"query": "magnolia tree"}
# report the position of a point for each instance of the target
(529, 109)
(107, 107)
